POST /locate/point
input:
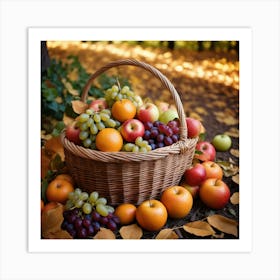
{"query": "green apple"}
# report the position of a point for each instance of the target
(222, 142)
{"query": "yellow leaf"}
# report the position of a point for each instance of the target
(67, 120)
(54, 145)
(60, 234)
(223, 224)
(167, 233)
(199, 228)
(234, 152)
(234, 199)
(79, 106)
(233, 132)
(51, 220)
(131, 232)
(235, 179)
(104, 233)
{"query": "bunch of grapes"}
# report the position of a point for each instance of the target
(160, 135)
(91, 122)
(116, 93)
(85, 214)
(140, 145)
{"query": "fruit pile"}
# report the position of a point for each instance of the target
(122, 122)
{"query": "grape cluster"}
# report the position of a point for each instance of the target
(140, 145)
(160, 135)
(116, 93)
(85, 214)
(91, 122)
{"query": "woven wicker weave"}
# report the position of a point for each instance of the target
(127, 176)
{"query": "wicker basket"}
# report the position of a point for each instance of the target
(128, 176)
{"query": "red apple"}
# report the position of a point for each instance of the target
(98, 105)
(213, 170)
(195, 175)
(72, 133)
(194, 127)
(194, 190)
(214, 193)
(131, 129)
(148, 112)
(206, 151)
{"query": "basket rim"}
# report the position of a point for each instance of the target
(180, 147)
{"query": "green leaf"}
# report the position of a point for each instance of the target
(50, 94)
(58, 129)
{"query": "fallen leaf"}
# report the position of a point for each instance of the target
(199, 228)
(104, 233)
(79, 106)
(70, 88)
(131, 232)
(61, 234)
(67, 120)
(167, 233)
(233, 132)
(51, 220)
(234, 199)
(229, 169)
(235, 178)
(223, 224)
(55, 145)
(234, 152)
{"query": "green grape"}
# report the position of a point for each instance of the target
(110, 208)
(118, 124)
(101, 200)
(104, 117)
(84, 196)
(78, 191)
(87, 208)
(90, 122)
(149, 148)
(90, 112)
(79, 203)
(93, 146)
(93, 136)
(69, 204)
(114, 94)
(93, 197)
(144, 144)
(110, 123)
(106, 111)
(135, 149)
(75, 196)
(97, 118)
(87, 142)
(128, 147)
(143, 150)
(125, 89)
(138, 141)
(115, 88)
(119, 96)
(83, 117)
(71, 196)
(93, 129)
(102, 210)
(100, 125)
(83, 126)
(83, 135)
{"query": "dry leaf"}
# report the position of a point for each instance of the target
(104, 233)
(235, 178)
(233, 132)
(234, 199)
(54, 145)
(131, 232)
(167, 233)
(79, 106)
(51, 220)
(67, 120)
(229, 169)
(199, 228)
(61, 234)
(234, 152)
(69, 88)
(223, 224)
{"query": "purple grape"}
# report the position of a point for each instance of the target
(66, 214)
(175, 138)
(111, 225)
(104, 220)
(90, 230)
(151, 141)
(154, 132)
(116, 219)
(88, 217)
(72, 232)
(154, 146)
(95, 216)
(96, 226)
(69, 227)
(156, 123)
(147, 135)
(70, 218)
(64, 225)
(75, 211)
(78, 223)
(160, 145)
(168, 131)
(82, 233)
(160, 138)
(168, 141)
(86, 223)
(148, 125)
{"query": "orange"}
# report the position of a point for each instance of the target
(126, 213)
(151, 215)
(109, 140)
(58, 190)
(66, 177)
(178, 201)
(123, 110)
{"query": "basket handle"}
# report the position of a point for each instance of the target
(166, 83)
